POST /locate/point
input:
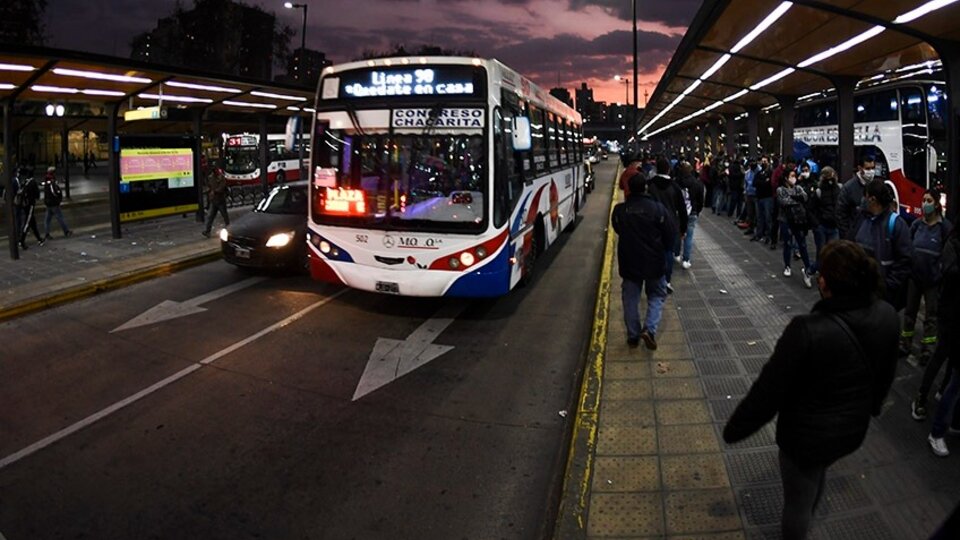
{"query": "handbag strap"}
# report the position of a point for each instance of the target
(853, 338)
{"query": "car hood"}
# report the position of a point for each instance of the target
(263, 225)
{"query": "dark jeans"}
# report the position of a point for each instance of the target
(764, 215)
(823, 235)
(802, 489)
(775, 217)
(791, 237)
(29, 224)
(630, 295)
(933, 366)
(670, 260)
(733, 208)
(55, 212)
(946, 409)
(213, 208)
(929, 294)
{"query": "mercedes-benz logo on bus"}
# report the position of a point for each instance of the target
(389, 241)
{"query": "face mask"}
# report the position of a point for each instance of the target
(868, 174)
(791, 180)
(929, 209)
(804, 175)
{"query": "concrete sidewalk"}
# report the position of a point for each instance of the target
(91, 261)
(648, 459)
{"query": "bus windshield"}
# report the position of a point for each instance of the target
(243, 160)
(427, 181)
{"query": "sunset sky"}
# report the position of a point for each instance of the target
(570, 41)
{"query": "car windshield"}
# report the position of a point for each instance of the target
(420, 181)
(241, 160)
(285, 200)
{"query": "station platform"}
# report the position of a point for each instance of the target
(648, 458)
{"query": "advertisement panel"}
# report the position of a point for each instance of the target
(157, 177)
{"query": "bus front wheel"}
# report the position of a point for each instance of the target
(536, 247)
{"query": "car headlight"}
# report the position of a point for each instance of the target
(280, 240)
(224, 235)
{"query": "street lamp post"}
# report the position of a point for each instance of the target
(626, 87)
(636, 75)
(300, 75)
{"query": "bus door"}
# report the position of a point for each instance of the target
(916, 137)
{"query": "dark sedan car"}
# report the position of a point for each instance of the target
(273, 235)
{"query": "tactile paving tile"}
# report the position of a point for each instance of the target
(761, 505)
(690, 512)
(727, 366)
(625, 514)
(677, 388)
(722, 301)
(626, 413)
(721, 387)
(752, 347)
(842, 494)
(704, 335)
(687, 439)
(626, 440)
(722, 409)
(761, 467)
(730, 312)
(710, 350)
(626, 389)
(674, 368)
(694, 471)
(736, 323)
(626, 473)
(748, 334)
(870, 526)
(695, 313)
(626, 370)
(682, 411)
(691, 303)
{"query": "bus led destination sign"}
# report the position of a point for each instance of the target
(409, 82)
(442, 118)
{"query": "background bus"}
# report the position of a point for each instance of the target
(241, 154)
(901, 125)
(438, 176)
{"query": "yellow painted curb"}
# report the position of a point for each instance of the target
(108, 284)
(572, 516)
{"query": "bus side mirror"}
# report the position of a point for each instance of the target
(521, 134)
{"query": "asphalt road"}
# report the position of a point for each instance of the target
(253, 432)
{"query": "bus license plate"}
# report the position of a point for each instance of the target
(242, 253)
(388, 287)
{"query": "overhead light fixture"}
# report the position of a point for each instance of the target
(249, 104)
(915, 14)
(295, 109)
(772, 79)
(175, 98)
(7, 86)
(54, 89)
(769, 108)
(100, 76)
(278, 96)
(716, 66)
(16, 67)
(848, 44)
(764, 24)
(736, 96)
(204, 87)
(95, 92)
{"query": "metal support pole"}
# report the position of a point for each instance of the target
(8, 178)
(64, 158)
(303, 82)
(636, 76)
(753, 132)
(730, 132)
(264, 154)
(950, 55)
(113, 169)
(198, 173)
(787, 108)
(845, 87)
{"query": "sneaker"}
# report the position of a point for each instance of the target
(686, 265)
(918, 410)
(773, 246)
(23, 246)
(755, 239)
(796, 255)
(41, 242)
(648, 340)
(938, 445)
(669, 288)
(936, 396)
(633, 343)
(205, 234)
(787, 272)
(678, 258)
(807, 282)
(68, 234)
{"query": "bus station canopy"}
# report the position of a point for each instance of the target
(91, 83)
(742, 55)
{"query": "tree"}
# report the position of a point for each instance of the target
(21, 21)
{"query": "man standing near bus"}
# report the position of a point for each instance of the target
(646, 238)
(850, 207)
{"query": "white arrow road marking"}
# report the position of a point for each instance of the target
(77, 426)
(168, 309)
(392, 358)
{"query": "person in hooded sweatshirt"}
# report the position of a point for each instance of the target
(885, 236)
(662, 188)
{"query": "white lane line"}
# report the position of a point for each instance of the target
(47, 441)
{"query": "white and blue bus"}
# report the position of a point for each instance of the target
(438, 176)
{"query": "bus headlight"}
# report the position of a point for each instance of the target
(467, 258)
(454, 263)
(481, 253)
(224, 235)
(280, 240)
(324, 246)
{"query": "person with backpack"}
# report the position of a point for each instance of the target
(52, 197)
(665, 189)
(29, 194)
(829, 373)
(885, 236)
(794, 224)
(948, 410)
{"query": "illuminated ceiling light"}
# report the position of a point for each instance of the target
(100, 76)
(716, 66)
(771, 107)
(388, 62)
(692, 87)
(175, 99)
(736, 96)
(296, 109)
(249, 104)
(371, 63)
(308, 109)
(476, 61)
(50, 109)
(16, 67)
(405, 61)
(59, 109)
(764, 24)
(808, 96)
(53, 89)
(922, 10)
(850, 43)
(329, 69)
(7, 86)
(714, 106)
(278, 96)
(772, 79)
(206, 87)
(94, 92)
(423, 60)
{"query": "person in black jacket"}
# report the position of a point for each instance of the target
(29, 195)
(830, 371)
(693, 194)
(665, 190)
(824, 209)
(948, 319)
(850, 206)
(646, 232)
(764, 189)
(886, 237)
